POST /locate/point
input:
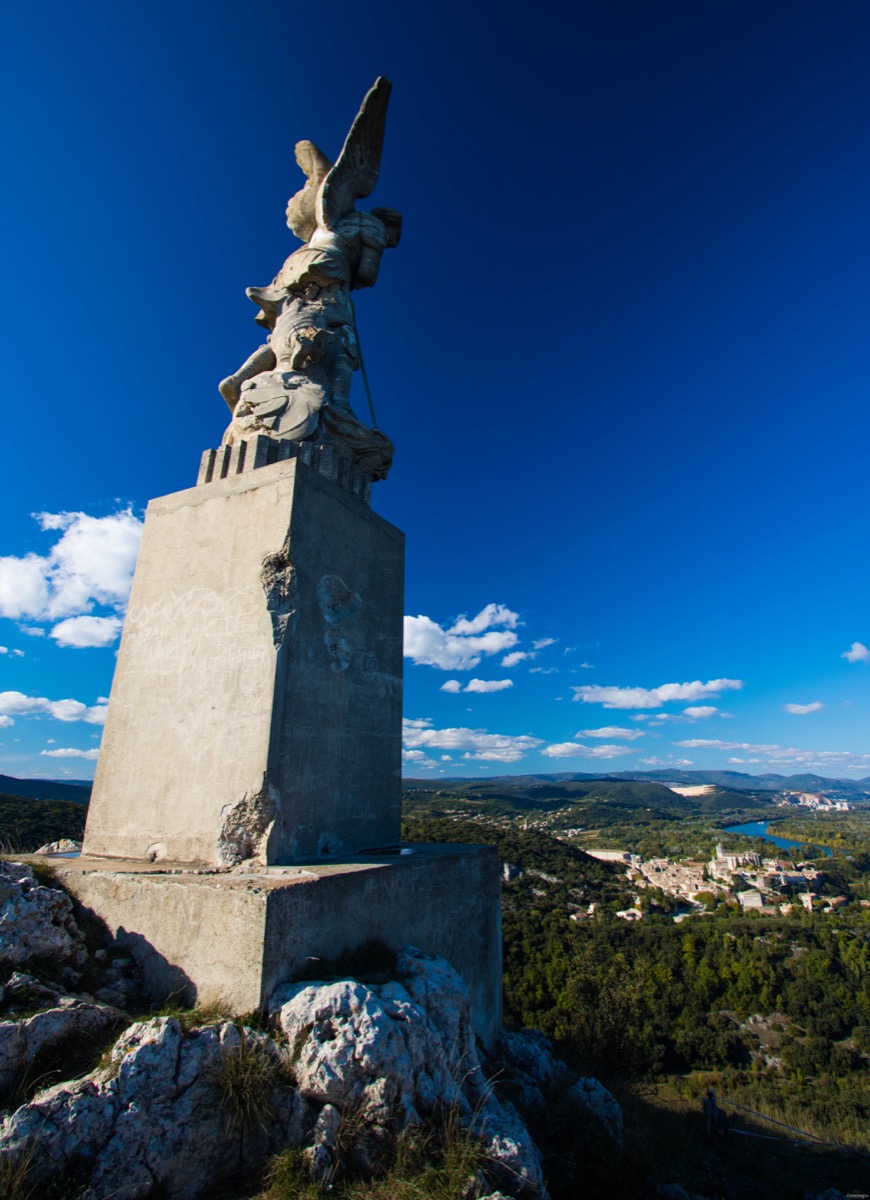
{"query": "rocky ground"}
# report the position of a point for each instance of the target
(103, 1102)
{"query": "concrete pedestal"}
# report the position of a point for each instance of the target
(235, 936)
(256, 707)
(255, 722)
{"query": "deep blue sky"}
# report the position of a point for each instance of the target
(622, 349)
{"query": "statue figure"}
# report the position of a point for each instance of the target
(297, 385)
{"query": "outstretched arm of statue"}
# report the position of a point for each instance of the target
(263, 359)
(376, 235)
(366, 273)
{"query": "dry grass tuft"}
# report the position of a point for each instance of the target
(247, 1078)
(434, 1161)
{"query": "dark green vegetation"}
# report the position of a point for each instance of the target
(27, 823)
(772, 1011)
(843, 832)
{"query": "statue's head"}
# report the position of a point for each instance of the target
(392, 222)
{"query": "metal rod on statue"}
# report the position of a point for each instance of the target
(362, 365)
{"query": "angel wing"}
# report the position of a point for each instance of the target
(302, 208)
(356, 170)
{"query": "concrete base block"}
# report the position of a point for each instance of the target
(235, 936)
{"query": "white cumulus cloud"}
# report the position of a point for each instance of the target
(574, 750)
(801, 710)
(87, 631)
(16, 704)
(638, 697)
(481, 686)
(478, 743)
(461, 647)
(540, 643)
(492, 614)
(70, 753)
(90, 564)
(611, 731)
(488, 685)
(857, 652)
(699, 712)
(516, 657)
(418, 758)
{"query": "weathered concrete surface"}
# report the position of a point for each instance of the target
(236, 936)
(256, 706)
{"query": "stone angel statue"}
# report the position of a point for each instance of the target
(297, 385)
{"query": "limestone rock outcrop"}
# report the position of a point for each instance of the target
(401, 1050)
(35, 921)
(24, 1042)
(154, 1118)
(533, 1074)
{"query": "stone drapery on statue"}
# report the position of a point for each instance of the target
(297, 385)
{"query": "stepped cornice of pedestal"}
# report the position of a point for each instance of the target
(262, 451)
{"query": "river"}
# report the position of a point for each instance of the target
(759, 829)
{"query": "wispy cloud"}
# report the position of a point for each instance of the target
(481, 686)
(461, 647)
(816, 760)
(575, 750)
(516, 657)
(477, 743)
(687, 716)
(857, 652)
(540, 643)
(16, 704)
(70, 753)
(654, 761)
(801, 710)
(611, 731)
(638, 697)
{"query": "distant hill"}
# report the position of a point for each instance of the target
(739, 781)
(46, 789)
(570, 800)
(735, 781)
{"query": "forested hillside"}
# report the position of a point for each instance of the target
(27, 823)
(775, 1011)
